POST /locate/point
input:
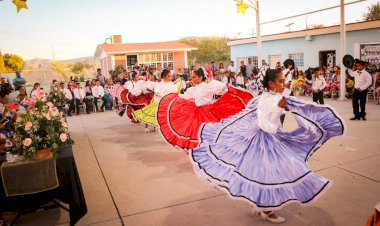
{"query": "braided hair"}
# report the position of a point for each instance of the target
(270, 75)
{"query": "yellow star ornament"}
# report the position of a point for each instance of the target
(20, 4)
(241, 7)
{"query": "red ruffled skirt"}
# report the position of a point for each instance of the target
(179, 119)
(134, 103)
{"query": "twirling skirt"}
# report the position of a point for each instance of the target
(267, 170)
(147, 114)
(180, 119)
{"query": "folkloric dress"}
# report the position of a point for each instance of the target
(252, 158)
(148, 113)
(181, 115)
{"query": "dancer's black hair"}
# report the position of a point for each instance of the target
(270, 75)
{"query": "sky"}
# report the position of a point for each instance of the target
(73, 28)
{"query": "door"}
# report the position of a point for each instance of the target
(131, 60)
(327, 58)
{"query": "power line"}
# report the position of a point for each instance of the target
(316, 11)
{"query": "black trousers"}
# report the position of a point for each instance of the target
(71, 106)
(77, 102)
(318, 97)
(96, 103)
(359, 99)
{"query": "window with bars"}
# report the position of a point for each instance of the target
(298, 59)
(245, 59)
(273, 59)
(155, 59)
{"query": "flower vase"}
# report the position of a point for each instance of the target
(43, 154)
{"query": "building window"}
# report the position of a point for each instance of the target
(298, 59)
(273, 59)
(166, 60)
(245, 59)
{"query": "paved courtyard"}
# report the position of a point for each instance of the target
(132, 178)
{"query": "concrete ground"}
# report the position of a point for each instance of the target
(133, 178)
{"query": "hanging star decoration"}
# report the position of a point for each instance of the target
(241, 7)
(20, 4)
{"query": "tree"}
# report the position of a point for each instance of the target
(60, 68)
(315, 26)
(13, 62)
(209, 49)
(373, 12)
(77, 68)
(2, 65)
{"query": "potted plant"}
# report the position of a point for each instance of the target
(41, 131)
(57, 97)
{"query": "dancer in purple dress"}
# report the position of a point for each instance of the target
(252, 158)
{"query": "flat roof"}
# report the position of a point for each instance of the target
(364, 25)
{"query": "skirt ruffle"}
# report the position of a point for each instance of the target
(179, 120)
(147, 114)
(267, 170)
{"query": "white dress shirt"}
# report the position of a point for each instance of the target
(98, 91)
(239, 80)
(363, 79)
(67, 93)
(135, 88)
(233, 69)
(204, 93)
(319, 83)
(79, 93)
(250, 69)
(268, 112)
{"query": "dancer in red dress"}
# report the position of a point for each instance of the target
(180, 116)
(132, 96)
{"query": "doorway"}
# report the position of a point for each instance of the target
(131, 60)
(327, 58)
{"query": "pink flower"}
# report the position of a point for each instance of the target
(63, 137)
(50, 104)
(54, 112)
(47, 116)
(27, 142)
(19, 119)
(28, 126)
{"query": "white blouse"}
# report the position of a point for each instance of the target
(163, 88)
(268, 112)
(135, 88)
(204, 93)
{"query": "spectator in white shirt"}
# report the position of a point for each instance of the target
(250, 68)
(240, 80)
(318, 85)
(98, 92)
(69, 96)
(233, 69)
(78, 96)
(363, 80)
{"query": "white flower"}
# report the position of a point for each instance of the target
(19, 119)
(50, 104)
(47, 116)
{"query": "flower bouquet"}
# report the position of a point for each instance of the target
(41, 128)
(57, 97)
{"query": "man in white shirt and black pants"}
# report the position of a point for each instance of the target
(363, 80)
(78, 96)
(98, 93)
(318, 85)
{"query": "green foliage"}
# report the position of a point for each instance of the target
(13, 62)
(77, 68)
(2, 65)
(315, 26)
(119, 69)
(209, 49)
(373, 12)
(81, 78)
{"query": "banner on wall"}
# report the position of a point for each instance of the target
(370, 53)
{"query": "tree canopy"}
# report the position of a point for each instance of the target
(209, 49)
(13, 63)
(373, 12)
(2, 65)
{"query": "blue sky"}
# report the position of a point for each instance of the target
(75, 27)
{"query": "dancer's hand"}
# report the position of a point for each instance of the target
(283, 103)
